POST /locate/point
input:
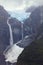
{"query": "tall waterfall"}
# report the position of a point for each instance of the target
(10, 29)
(12, 53)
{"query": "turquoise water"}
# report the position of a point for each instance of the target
(19, 15)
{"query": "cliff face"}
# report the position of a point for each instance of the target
(16, 29)
(33, 53)
(4, 31)
(31, 26)
(34, 21)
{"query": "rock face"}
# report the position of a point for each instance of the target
(4, 31)
(16, 29)
(34, 21)
(33, 53)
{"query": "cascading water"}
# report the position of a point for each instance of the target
(11, 35)
(12, 53)
(10, 30)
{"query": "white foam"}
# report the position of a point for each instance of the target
(12, 56)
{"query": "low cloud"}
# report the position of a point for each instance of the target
(19, 4)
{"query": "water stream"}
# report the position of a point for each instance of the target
(11, 35)
(10, 30)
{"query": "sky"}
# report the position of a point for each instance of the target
(13, 5)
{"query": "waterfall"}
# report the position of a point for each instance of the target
(11, 54)
(10, 29)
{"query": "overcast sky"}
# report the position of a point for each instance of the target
(13, 5)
